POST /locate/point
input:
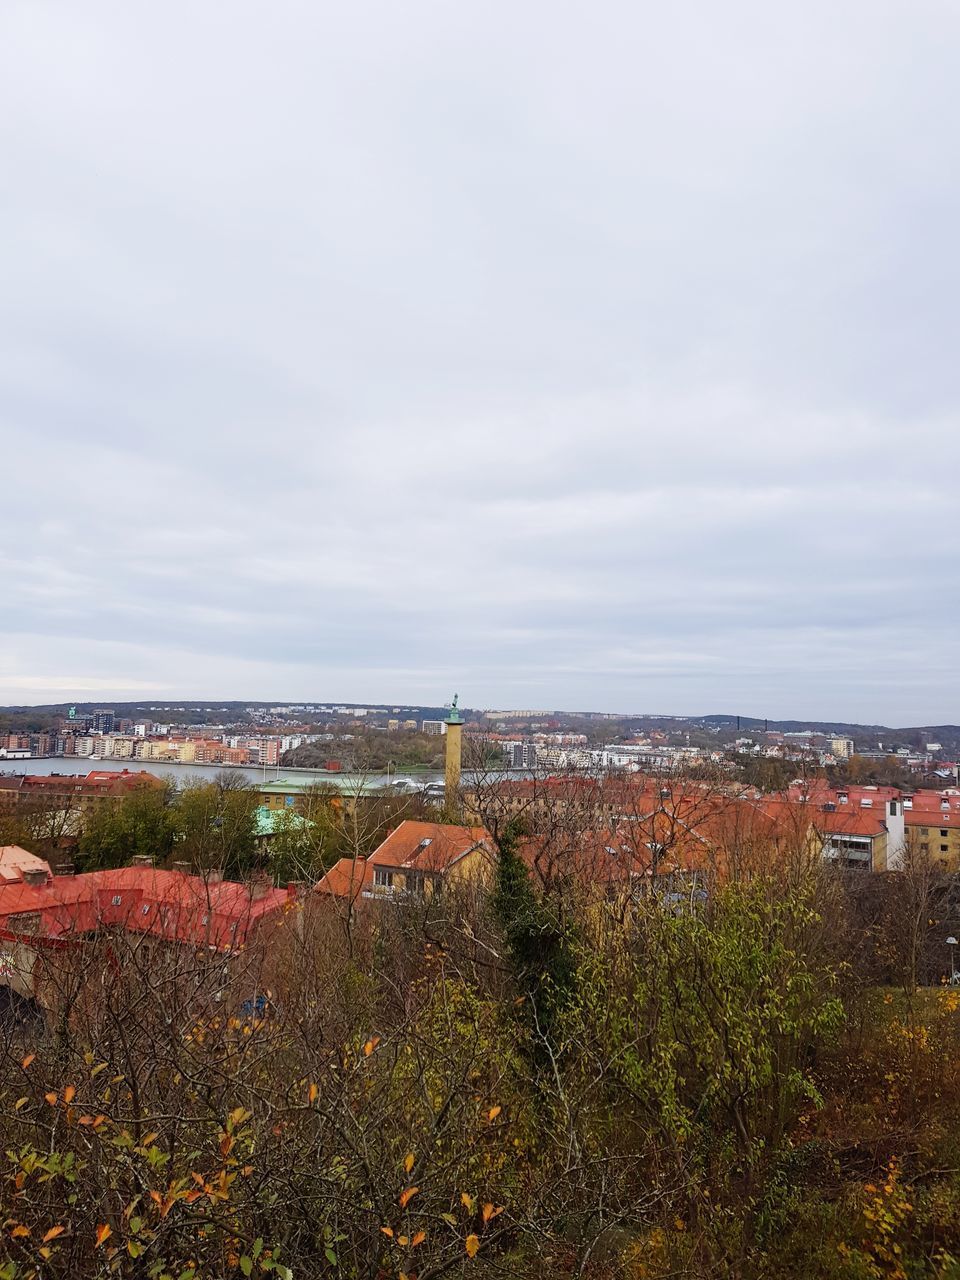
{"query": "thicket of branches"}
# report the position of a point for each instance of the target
(529, 1076)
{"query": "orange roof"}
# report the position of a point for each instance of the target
(345, 879)
(15, 862)
(427, 846)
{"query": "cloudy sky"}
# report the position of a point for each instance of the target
(598, 354)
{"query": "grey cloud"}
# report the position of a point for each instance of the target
(595, 356)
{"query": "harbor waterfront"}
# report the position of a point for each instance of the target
(184, 773)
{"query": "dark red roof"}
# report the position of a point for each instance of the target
(167, 904)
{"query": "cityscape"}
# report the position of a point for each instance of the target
(479, 641)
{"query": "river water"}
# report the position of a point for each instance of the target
(183, 774)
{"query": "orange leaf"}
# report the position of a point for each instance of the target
(371, 1044)
(490, 1211)
(53, 1233)
(27, 1060)
(407, 1196)
(69, 1093)
(472, 1245)
(104, 1232)
(466, 1200)
(494, 1112)
(387, 1231)
(418, 1239)
(313, 1093)
(21, 1230)
(409, 1162)
(51, 1098)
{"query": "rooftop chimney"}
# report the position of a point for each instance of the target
(63, 869)
(35, 877)
(182, 867)
(260, 886)
(214, 875)
(143, 860)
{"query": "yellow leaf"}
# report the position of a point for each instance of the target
(494, 1112)
(45, 1252)
(467, 1200)
(404, 1240)
(407, 1196)
(20, 1102)
(69, 1093)
(104, 1232)
(409, 1162)
(53, 1233)
(472, 1245)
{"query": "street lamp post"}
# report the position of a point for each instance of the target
(952, 944)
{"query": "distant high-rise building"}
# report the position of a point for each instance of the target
(103, 721)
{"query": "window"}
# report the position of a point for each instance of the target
(924, 846)
(943, 834)
(944, 848)
(383, 878)
(415, 883)
(145, 909)
(924, 831)
(116, 899)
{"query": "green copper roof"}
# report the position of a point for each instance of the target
(269, 820)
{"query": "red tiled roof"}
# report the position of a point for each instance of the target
(427, 846)
(850, 820)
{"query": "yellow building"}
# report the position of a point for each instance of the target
(416, 858)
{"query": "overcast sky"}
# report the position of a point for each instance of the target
(596, 355)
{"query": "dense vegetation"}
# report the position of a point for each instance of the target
(210, 825)
(530, 1081)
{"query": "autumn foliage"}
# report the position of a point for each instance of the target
(489, 1083)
